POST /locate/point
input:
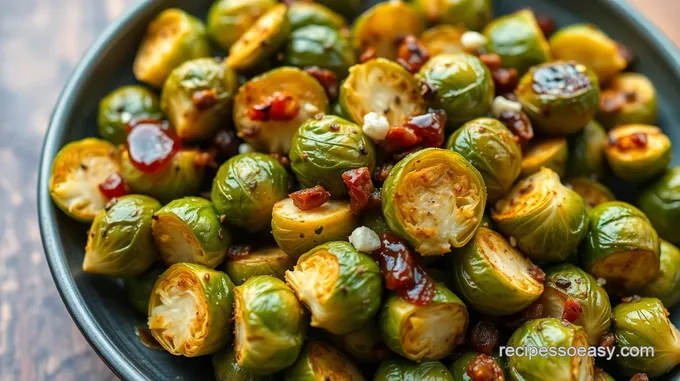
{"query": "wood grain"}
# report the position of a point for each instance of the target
(40, 43)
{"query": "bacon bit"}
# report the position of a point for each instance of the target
(326, 78)
(534, 311)
(626, 53)
(278, 106)
(637, 140)
(368, 54)
(281, 158)
(563, 283)
(572, 310)
(607, 340)
(411, 54)
(250, 132)
(383, 171)
(492, 61)
(426, 130)
(536, 273)
(505, 80)
(640, 377)
(204, 99)
(519, 124)
(239, 251)
(484, 368)
(205, 159)
(310, 198)
(151, 144)
(226, 143)
(632, 298)
(114, 186)
(547, 24)
(484, 337)
(611, 102)
(360, 187)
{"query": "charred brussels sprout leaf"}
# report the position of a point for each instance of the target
(322, 46)
(227, 369)
(304, 13)
(270, 261)
(321, 361)
(472, 14)
(630, 98)
(443, 39)
(123, 105)
(661, 203)
(666, 286)
(139, 289)
(638, 152)
(593, 193)
(586, 151)
(228, 20)
(365, 345)
(546, 152)
(404, 370)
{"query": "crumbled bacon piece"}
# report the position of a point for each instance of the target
(572, 310)
(204, 99)
(637, 140)
(310, 198)
(368, 55)
(492, 61)
(426, 130)
(640, 377)
(278, 106)
(547, 24)
(360, 187)
(484, 368)
(505, 80)
(519, 124)
(484, 337)
(537, 274)
(411, 54)
(383, 171)
(326, 78)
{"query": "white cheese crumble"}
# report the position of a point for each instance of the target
(376, 126)
(472, 41)
(513, 241)
(245, 148)
(310, 108)
(364, 239)
(601, 281)
(501, 104)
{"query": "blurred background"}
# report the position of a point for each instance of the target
(41, 41)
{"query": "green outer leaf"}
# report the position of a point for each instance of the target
(303, 13)
(666, 286)
(139, 289)
(322, 361)
(227, 369)
(364, 345)
(270, 261)
(123, 105)
(404, 370)
(322, 46)
(229, 19)
(586, 151)
(660, 201)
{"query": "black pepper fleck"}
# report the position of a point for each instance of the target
(318, 229)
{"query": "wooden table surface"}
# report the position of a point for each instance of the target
(40, 43)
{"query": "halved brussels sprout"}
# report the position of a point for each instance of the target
(190, 310)
(139, 289)
(462, 86)
(434, 198)
(519, 41)
(494, 277)
(269, 325)
(460, 366)
(586, 151)
(661, 203)
(197, 98)
(424, 332)
(404, 370)
(547, 219)
(638, 152)
(550, 333)
(593, 193)
(228, 20)
(546, 152)
(297, 231)
(322, 361)
(339, 285)
(227, 369)
(567, 281)
(443, 39)
(622, 246)
(666, 286)
(643, 324)
(630, 98)
(172, 38)
(304, 13)
(472, 14)
(77, 171)
(375, 221)
(123, 105)
(365, 345)
(119, 242)
(559, 97)
(180, 177)
(322, 46)
(274, 135)
(381, 27)
(246, 188)
(322, 149)
(270, 261)
(491, 148)
(589, 46)
(383, 87)
(261, 40)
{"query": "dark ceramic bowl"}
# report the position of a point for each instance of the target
(96, 303)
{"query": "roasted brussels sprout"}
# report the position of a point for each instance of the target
(227, 368)
(546, 152)
(404, 370)
(375, 221)
(228, 20)
(586, 151)
(519, 41)
(304, 13)
(190, 310)
(593, 193)
(339, 285)
(365, 345)
(424, 332)
(399, 93)
(661, 203)
(246, 188)
(322, 46)
(434, 198)
(299, 91)
(270, 261)
(172, 38)
(139, 289)
(630, 98)
(443, 39)
(459, 368)
(491, 148)
(119, 242)
(322, 361)
(472, 14)
(638, 152)
(589, 46)
(494, 277)
(547, 219)
(666, 286)
(462, 86)
(269, 325)
(622, 246)
(644, 323)
(261, 40)
(77, 171)
(123, 105)
(555, 334)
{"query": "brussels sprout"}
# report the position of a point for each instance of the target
(339, 285)
(424, 332)
(638, 152)
(589, 46)
(269, 325)
(321, 361)
(270, 261)
(443, 39)
(661, 203)
(546, 152)
(666, 286)
(197, 98)
(630, 98)
(519, 41)
(119, 242)
(190, 310)
(181, 177)
(246, 188)
(227, 369)
(123, 105)
(77, 171)
(593, 193)
(460, 366)
(494, 277)
(383, 25)
(622, 246)
(550, 333)
(304, 13)
(261, 40)
(472, 14)
(491, 148)
(228, 20)
(641, 324)
(586, 151)
(384, 87)
(547, 219)
(139, 289)
(375, 221)
(462, 86)
(322, 46)
(559, 97)
(297, 231)
(322, 149)
(403, 370)
(172, 38)
(365, 345)
(274, 135)
(434, 198)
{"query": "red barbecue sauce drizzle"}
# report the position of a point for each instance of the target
(151, 144)
(114, 186)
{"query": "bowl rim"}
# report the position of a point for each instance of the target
(68, 291)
